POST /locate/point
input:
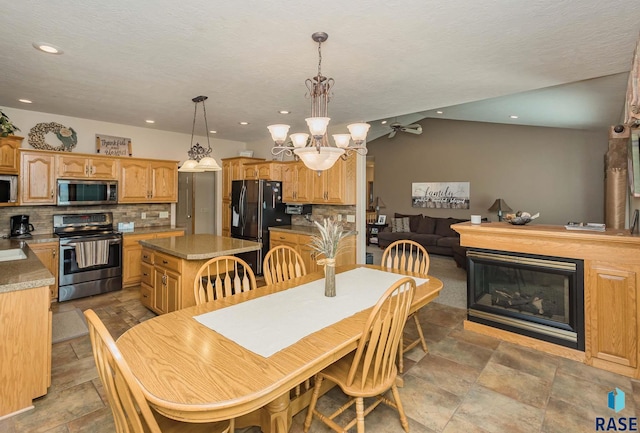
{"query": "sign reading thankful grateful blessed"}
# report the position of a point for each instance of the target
(113, 146)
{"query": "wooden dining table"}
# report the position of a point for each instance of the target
(191, 373)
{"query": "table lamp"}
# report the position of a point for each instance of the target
(378, 204)
(499, 205)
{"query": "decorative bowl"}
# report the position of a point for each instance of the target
(520, 218)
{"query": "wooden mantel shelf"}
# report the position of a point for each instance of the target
(611, 281)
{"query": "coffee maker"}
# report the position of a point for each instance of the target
(20, 227)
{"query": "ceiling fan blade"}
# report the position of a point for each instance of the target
(417, 131)
(413, 126)
(393, 134)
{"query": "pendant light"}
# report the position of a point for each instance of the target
(199, 158)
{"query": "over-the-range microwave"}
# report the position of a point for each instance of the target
(8, 188)
(79, 192)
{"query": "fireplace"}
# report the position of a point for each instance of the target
(537, 296)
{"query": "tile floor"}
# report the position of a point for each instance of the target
(467, 383)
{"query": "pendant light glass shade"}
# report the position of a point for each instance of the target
(278, 133)
(190, 166)
(342, 140)
(208, 164)
(299, 139)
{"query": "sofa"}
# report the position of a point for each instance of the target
(433, 233)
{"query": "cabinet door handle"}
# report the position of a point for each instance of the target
(144, 274)
(54, 252)
(51, 193)
(164, 262)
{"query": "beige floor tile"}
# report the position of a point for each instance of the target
(527, 360)
(563, 417)
(516, 384)
(446, 374)
(461, 352)
(426, 403)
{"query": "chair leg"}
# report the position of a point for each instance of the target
(312, 403)
(424, 343)
(401, 355)
(360, 414)
(403, 417)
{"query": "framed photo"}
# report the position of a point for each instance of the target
(382, 219)
(113, 146)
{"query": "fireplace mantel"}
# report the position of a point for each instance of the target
(611, 282)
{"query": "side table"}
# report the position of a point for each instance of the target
(372, 232)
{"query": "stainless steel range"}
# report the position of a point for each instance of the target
(90, 255)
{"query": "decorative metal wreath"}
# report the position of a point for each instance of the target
(67, 136)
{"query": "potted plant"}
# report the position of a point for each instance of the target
(329, 244)
(6, 125)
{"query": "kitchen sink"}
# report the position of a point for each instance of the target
(12, 254)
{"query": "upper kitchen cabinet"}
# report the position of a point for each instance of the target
(269, 170)
(336, 185)
(37, 178)
(9, 160)
(148, 181)
(296, 180)
(234, 169)
(82, 167)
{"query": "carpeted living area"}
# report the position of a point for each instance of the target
(454, 279)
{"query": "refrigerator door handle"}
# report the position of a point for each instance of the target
(243, 207)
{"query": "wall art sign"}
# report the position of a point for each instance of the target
(436, 195)
(113, 146)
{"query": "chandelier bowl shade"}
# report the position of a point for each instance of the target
(319, 159)
(190, 166)
(208, 164)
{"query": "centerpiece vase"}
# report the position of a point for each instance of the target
(329, 277)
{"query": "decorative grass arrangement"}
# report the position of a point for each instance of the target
(329, 245)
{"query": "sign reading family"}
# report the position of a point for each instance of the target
(445, 195)
(113, 146)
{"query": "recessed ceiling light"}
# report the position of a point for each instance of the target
(213, 132)
(47, 48)
(150, 121)
(513, 116)
(284, 112)
(26, 101)
(384, 122)
(243, 123)
(439, 112)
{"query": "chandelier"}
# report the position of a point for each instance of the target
(314, 149)
(199, 158)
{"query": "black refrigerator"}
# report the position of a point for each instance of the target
(256, 205)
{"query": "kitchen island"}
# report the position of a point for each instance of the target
(169, 266)
(25, 356)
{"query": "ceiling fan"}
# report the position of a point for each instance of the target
(414, 128)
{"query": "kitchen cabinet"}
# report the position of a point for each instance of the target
(336, 185)
(132, 255)
(296, 178)
(301, 243)
(47, 252)
(263, 170)
(37, 178)
(148, 181)
(81, 167)
(9, 158)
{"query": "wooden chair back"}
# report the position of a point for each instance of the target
(223, 276)
(406, 255)
(131, 412)
(374, 359)
(282, 263)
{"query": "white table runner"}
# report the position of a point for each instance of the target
(270, 323)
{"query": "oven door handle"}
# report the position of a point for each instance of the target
(73, 244)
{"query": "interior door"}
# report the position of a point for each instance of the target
(185, 208)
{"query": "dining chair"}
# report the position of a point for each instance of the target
(282, 263)
(131, 411)
(410, 256)
(370, 370)
(222, 276)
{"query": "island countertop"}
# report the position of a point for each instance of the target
(200, 246)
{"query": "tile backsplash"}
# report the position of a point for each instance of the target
(326, 211)
(41, 217)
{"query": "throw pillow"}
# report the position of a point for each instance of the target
(400, 225)
(414, 220)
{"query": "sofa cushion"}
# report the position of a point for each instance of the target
(443, 227)
(400, 225)
(448, 241)
(414, 220)
(388, 237)
(424, 239)
(427, 226)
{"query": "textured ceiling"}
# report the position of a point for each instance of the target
(127, 61)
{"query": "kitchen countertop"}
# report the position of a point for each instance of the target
(301, 230)
(153, 229)
(201, 246)
(22, 274)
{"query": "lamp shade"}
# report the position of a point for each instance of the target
(499, 205)
(358, 131)
(190, 166)
(317, 125)
(342, 140)
(319, 159)
(299, 139)
(278, 133)
(379, 203)
(208, 164)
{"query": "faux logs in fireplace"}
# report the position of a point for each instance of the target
(537, 296)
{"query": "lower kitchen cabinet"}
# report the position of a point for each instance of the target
(47, 252)
(132, 254)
